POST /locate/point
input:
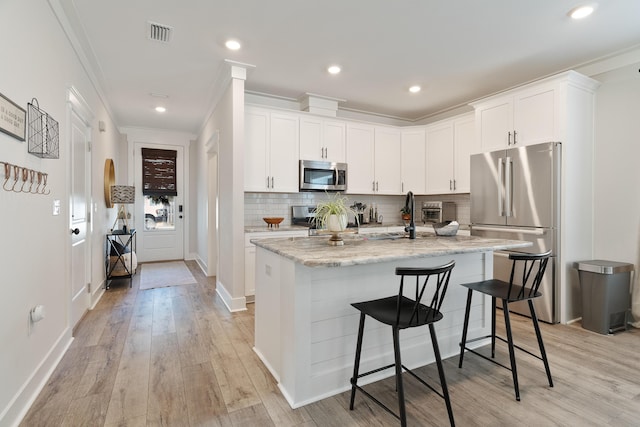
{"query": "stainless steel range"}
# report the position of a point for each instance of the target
(302, 215)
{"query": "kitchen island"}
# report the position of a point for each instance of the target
(305, 327)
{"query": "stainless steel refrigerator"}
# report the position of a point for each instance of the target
(515, 194)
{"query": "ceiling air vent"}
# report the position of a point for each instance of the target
(159, 32)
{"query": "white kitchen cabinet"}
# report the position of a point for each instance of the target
(271, 151)
(373, 157)
(360, 159)
(256, 136)
(524, 117)
(449, 147)
(250, 254)
(322, 139)
(387, 155)
(464, 144)
(439, 157)
(413, 158)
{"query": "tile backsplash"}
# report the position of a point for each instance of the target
(260, 205)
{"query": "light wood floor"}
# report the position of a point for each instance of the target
(175, 356)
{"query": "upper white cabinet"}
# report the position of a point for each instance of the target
(465, 143)
(524, 117)
(256, 146)
(413, 167)
(449, 147)
(387, 160)
(439, 158)
(271, 151)
(373, 158)
(322, 139)
(360, 159)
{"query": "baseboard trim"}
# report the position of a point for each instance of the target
(17, 408)
(97, 294)
(202, 265)
(233, 304)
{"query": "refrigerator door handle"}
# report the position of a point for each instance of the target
(508, 177)
(533, 232)
(500, 187)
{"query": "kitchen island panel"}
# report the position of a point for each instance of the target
(318, 326)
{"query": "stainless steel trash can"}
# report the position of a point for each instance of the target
(606, 296)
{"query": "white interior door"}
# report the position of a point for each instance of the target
(79, 218)
(159, 230)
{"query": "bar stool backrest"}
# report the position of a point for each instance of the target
(527, 271)
(441, 275)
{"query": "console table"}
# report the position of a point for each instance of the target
(120, 258)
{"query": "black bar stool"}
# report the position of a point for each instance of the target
(401, 312)
(527, 271)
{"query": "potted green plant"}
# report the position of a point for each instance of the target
(406, 213)
(333, 214)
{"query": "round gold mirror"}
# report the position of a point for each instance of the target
(109, 180)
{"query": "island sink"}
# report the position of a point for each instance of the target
(383, 236)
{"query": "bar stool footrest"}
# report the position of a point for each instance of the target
(407, 370)
(382, 405)
(493, 360)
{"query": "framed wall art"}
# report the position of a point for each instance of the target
(12, 118)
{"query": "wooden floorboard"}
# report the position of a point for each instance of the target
(175, 356)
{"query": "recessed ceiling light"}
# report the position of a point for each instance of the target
(161, 109)
(415, 89)
(232, 44)
(581, 11)
(334, 69)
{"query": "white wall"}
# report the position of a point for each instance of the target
(228, 120)
(38, 61)
(617, 170)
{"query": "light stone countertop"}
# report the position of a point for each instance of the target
(365, 249)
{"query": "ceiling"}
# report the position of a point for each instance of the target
(457, 51)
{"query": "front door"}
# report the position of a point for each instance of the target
(159, 219)
(79, 218)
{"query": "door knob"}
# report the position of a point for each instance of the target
(75, 231)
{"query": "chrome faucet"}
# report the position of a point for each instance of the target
(410, 203)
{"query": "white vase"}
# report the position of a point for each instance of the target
(337, 222)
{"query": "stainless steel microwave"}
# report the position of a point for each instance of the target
(322, 176)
